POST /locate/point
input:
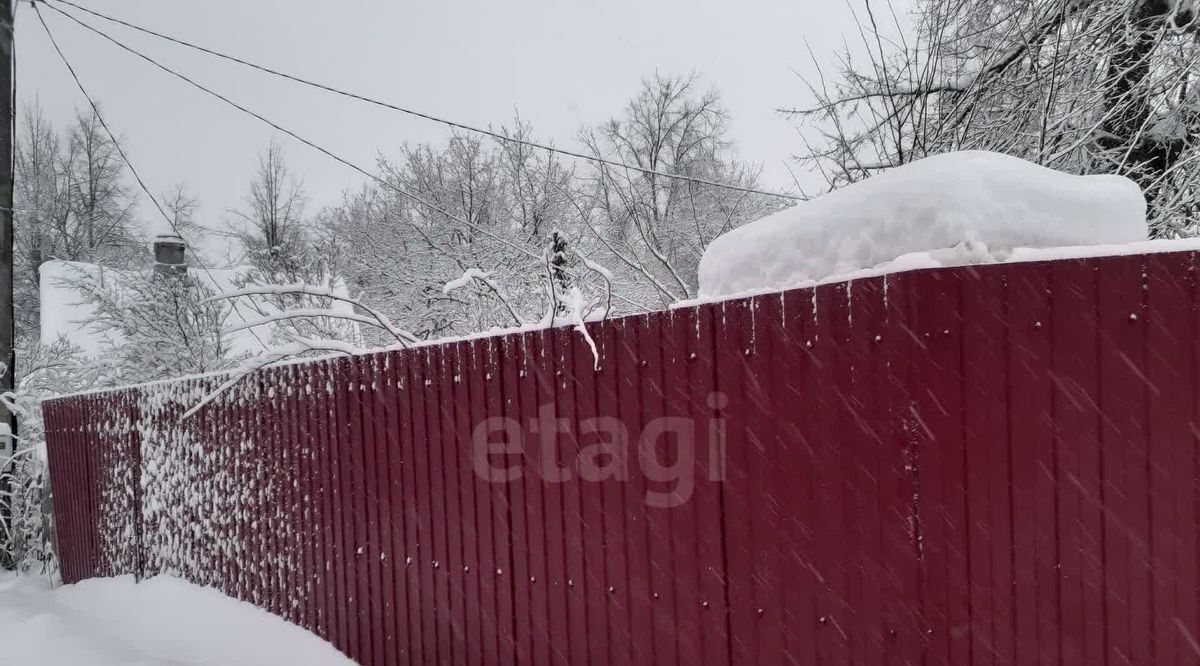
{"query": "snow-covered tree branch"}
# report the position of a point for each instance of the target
(1084, 86)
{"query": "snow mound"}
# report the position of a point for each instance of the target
(115, 621)
(983, 203)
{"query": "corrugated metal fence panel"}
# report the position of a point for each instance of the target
(986, 465)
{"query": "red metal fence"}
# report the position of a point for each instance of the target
(987, 465)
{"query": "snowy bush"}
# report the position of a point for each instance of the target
(27, 537)
(1082, 86)
(156, 326)
(477, 205)
(280, 246)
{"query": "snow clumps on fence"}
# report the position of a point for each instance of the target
(971, 207)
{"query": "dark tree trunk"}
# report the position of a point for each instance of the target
(1146, 156)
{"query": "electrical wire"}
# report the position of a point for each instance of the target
(133, 170)
(426, 116)
(399, 190)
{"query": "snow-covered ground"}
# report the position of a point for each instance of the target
(165, 621)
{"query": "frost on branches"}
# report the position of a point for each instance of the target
(491, 208)
(281, 247)
(150, 326)
(1082, 86)
(27, 537)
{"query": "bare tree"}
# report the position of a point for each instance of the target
(157, 326)
(655, 228)
(182, 207)
(101, 225)
(456, 240)
(41, 199)
(1085, 86)
(72, 204)
(281, 248)
(272, 230)
(485, 209)
(538, 185)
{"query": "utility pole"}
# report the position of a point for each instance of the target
(8, 354)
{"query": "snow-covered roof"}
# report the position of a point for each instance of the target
(65, 314)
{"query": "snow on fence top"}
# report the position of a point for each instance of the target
(977, 206)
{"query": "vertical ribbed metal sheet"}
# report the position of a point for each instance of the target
(985, 465)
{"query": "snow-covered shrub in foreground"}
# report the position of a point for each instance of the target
(27, 538)
(154, 327)
(986, 202)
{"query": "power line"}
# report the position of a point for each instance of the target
(402, 192)
(121, 151)
(450, 123)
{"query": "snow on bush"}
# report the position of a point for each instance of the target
(26, 523)
(984, 204)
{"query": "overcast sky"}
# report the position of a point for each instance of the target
(561, 63)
